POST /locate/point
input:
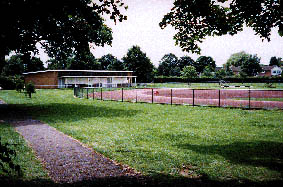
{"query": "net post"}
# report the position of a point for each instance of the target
(152, 95)
(219, 103)
(171, 96)
(249, 98)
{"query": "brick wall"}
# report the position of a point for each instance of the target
(43, 79)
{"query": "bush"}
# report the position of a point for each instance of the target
(11, 83)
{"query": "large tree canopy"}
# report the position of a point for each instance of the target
(15, 65)
(169, 65)
(63, 27)
(196, 19)
(137, 61)
(205, 61)
(110, 62)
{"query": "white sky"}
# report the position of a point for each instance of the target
(142, 29)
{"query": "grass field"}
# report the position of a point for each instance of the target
(216, 143)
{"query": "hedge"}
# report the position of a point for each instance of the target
(227, 79)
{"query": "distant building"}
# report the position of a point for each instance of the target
(86, 78)
(269, 71)
(236, 70)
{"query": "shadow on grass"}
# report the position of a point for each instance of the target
(61, 112)
(157, 180)
(257, 153)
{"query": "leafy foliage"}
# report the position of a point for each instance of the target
(251, 65)
(194, 20)
(237, 59)
(185, 61)
(169, 65)
(83, 62)
(30, 88)
(109, 62)
(16, 65)
(137, 61)
(189, 72)
(204, 61)
(207, 72)
(7, 156)
(62, 30)
(275, 61)
(220, 74)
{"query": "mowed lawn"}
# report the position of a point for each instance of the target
(216, 143)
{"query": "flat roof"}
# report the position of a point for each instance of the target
(111, 71)
(95, 76)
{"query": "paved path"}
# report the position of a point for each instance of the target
(66, 159)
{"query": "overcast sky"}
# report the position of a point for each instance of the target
(142, 29)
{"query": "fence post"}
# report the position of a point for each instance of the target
(87, 93)
(152, 95)
(193, 97)
(122, 95)
(219, 104)
(100, 93)
(249, 99)
(171, 96)
(136, 95)
(82, 92)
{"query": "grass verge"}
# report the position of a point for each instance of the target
(21, 156)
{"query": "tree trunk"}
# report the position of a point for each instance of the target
(2, 55)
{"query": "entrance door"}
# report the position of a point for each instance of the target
(109, 82)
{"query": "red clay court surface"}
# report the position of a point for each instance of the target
(203, 97)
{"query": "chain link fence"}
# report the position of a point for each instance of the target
(235, 98)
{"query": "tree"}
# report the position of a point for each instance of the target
(62, 27)
(194, 20)
(2, 65)
(56, 64)
(30, 89)
(251, 65)
(14, 66)
(207, 72)
(220, 74)
(34, 64)
(204, 61)
(275, 61)
(169, 65)
(137, 61)
(189, 73)
(237, 59)
(109, 62)
(228, 70)
(83, 62)
(185, 61)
